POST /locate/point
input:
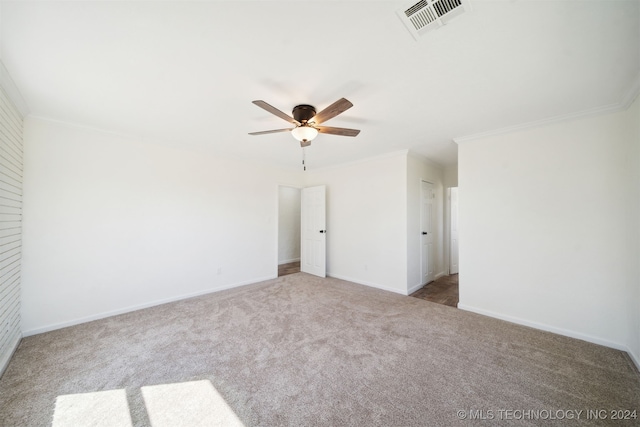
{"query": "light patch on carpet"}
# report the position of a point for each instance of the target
(99, 409)
(193, 404)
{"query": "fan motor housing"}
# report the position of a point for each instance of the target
(303, 113)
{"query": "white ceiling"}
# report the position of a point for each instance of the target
(186, 72)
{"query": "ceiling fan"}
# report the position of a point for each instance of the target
(307, 122)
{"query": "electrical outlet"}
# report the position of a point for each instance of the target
(219, 271)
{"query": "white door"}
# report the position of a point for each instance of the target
(426, 221)
(313, 231)
(453, 258)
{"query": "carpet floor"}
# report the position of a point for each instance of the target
(305, 351)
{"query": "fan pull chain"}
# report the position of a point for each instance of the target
(304, 166)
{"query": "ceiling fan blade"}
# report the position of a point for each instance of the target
(340, 106)
(275, 111)
(337, 131)
(264, 132)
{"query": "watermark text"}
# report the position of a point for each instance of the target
(547, 414)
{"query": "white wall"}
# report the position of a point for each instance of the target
(288, 224)
(366, 221)
(112, 224)
(545, 222)
(450, 176)
(420, 169)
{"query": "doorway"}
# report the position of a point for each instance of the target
(427, 234)
(289, 203)
(445, 289)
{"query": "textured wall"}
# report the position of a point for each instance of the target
(11, 161)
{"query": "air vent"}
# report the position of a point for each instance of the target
(428, 14)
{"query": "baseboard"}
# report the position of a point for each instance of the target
(131, 308)
(549, 328)
(7, 357)
(420, 286)
(414, 288)
(634, 358)
(370, 284)
(287, 261)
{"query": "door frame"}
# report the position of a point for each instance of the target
(449, 232)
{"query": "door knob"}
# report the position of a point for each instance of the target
(323, 231)
(424, 232)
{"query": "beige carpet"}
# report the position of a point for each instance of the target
(303, 351)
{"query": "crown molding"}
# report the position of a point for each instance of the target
(6, 82)
(622, 105)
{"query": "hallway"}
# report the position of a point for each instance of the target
(441, 291)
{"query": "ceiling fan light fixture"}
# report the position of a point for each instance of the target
(304, 133)
(305, 119)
